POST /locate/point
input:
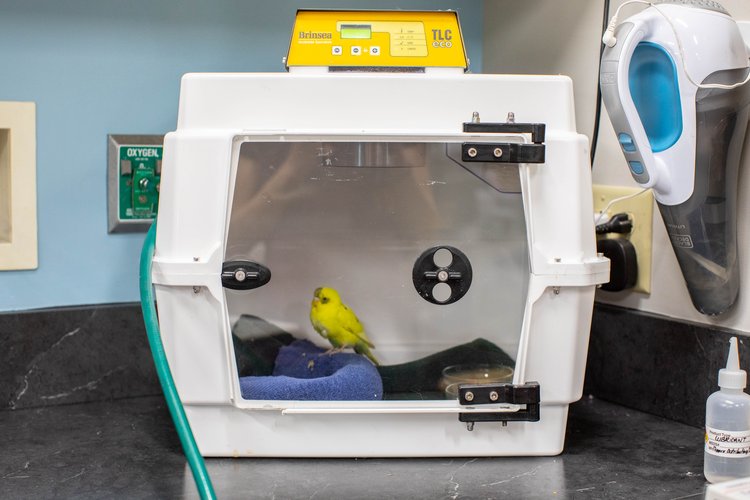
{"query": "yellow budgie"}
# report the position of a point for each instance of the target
(332, 319)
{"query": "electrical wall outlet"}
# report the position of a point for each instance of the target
(640, 208)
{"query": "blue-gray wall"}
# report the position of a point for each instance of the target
(99, 67)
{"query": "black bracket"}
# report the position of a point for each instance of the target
(244, 275)
(535, 129)
(505, 152)
(484, 394)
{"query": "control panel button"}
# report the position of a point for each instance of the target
(374, 50)
(337, 50)
(626, 142)
(636, 167)
(356, 50)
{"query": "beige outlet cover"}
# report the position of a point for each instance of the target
(18, 229)
(639, 204)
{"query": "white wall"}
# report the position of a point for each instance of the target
(551, 36)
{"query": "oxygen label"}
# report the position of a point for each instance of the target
(727, 443)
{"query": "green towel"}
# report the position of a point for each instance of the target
(419, 379)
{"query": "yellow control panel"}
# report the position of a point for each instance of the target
(359, 38)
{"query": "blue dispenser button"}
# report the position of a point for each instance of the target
(626, 142)
(636, 167)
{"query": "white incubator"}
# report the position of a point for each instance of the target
(376, 253)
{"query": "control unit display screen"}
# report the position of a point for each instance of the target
(361, 31)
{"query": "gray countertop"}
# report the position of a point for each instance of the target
(129, 449)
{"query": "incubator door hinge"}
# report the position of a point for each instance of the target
(505, 152)
(525, 395)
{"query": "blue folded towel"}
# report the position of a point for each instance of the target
(305, 372)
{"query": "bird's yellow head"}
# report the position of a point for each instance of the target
(325, 296)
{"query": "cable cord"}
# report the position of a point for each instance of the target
(603, 211)
(598, 110)
(609, 40)
(192, 454)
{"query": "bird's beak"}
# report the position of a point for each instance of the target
(315, 301)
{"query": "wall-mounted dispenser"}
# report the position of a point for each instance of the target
(673, 81)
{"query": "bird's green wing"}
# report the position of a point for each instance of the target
(349, 321)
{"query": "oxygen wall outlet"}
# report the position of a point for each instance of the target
(134, 175)
(640, 208)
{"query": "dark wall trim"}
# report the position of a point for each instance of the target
(72, 355)
(657, 364)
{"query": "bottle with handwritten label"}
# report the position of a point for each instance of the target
(727, 452)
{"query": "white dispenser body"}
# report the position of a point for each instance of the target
(552, 279)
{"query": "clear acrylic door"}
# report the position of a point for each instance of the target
(382, 237)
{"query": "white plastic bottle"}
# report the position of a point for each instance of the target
(727, 452)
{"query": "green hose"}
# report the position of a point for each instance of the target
(194, 458)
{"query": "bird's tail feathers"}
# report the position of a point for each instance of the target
(365, 350)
